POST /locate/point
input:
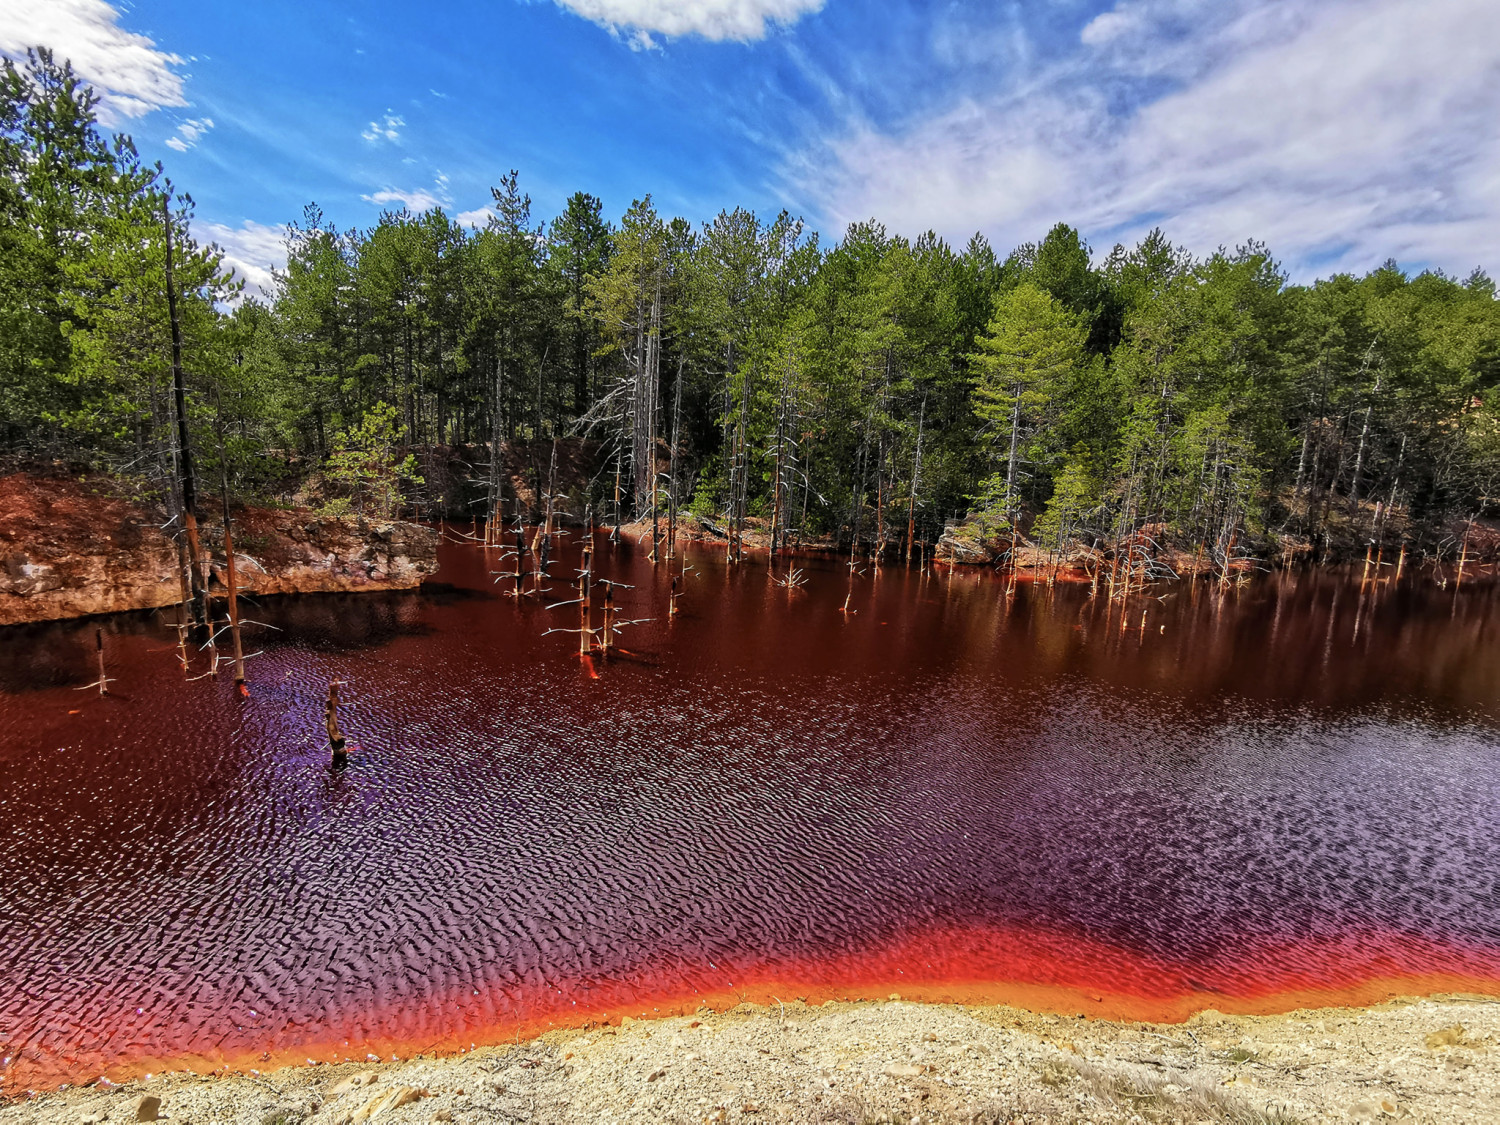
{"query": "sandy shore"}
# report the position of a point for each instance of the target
(1421, 1060)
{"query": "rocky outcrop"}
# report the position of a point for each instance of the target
(70, 547)
(964, 545)
(298, 553)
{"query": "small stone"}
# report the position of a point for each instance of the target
(442, 1115)
(929, 1038)
(354, 1082)
(391, 1099)
(750, 1107)
(655, 1074)
(145, 1108)
(1447, 1037)
(901, 1070)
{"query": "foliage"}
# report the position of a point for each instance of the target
(739, 366)
(366, 461)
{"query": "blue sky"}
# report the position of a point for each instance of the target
(1341, 132)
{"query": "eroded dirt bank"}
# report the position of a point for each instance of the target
(71, 547)
(1428, 1060)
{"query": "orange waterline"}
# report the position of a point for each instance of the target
(1040, 981)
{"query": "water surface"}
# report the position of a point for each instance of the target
(1283, 795)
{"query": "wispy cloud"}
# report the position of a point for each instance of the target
(416, 201)
(388, 128)
(252, 250)
(711, 19)
(1341, 132)
(132, 75)
(189, 133)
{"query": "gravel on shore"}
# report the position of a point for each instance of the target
(1433, 1060)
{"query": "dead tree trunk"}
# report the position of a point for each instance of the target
(585, 631)
(1463, 557)
(916, 477)
(609, 617)
(331, 716)
(1359, 456)
(520, 557)
(497, 435)
(184, 607)
(187, 479)
(615, 535)
(672, 467)
(552, 492)
(234, 605)
(103, 684)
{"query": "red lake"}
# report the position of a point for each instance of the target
(1287, 794)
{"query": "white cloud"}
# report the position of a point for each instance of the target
(419, 200)
(712, 19)
(387, 129)
(479, 217)
(130, 73)
(252, 250)
(1341, 133)
(1107, 26)
(189, 133)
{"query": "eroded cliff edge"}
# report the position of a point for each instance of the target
(71, 547)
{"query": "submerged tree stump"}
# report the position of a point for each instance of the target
(335, 735)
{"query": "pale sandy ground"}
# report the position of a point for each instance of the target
(888, 1062)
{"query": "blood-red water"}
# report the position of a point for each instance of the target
(1283, 796)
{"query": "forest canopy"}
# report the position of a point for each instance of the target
(867, 389)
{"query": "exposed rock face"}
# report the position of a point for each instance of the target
(69, 549)
(955, 546)
(298, 553)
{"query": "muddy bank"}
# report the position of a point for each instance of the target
(73, 547)
(1430, 1060)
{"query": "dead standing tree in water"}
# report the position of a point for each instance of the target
(103, 682)
(602, 639)
(540, 551)
(336, 740)
(518, 553)
(585, 605)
